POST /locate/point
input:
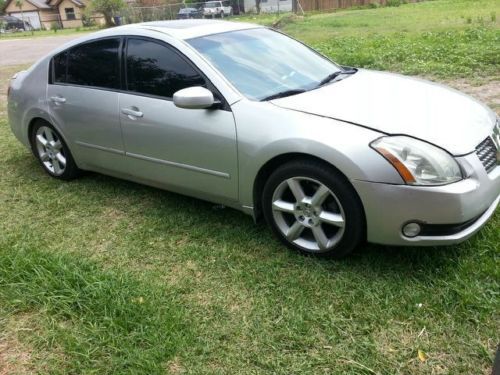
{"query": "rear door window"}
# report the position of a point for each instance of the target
(94, 64)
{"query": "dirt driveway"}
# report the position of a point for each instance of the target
(26, 51)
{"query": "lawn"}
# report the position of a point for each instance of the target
(441, 39)
(42, 33)
(103, 276)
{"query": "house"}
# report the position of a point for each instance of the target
(45, 14)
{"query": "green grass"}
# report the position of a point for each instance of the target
(42, 33)
(106, 320)
(443, 39)
(103, 276)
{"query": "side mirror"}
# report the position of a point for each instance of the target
(196, 97)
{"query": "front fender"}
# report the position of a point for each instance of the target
(266, 131)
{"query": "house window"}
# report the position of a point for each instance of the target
(70, 13)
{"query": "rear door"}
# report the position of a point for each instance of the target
(83, 102)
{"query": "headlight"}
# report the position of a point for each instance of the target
(418, 162)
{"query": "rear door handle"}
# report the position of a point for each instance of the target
(132, 113)
(58, 99)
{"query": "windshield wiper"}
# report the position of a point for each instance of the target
(334, 75)
(283, 94)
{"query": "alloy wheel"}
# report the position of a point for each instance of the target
(308, 214)
(50, 150)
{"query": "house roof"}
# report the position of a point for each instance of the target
(40, 4)
(78, 3)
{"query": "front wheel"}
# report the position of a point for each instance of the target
(313, 208)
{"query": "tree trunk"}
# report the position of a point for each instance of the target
(257, 6)
(108, 19)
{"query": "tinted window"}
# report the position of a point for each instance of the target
(95, 64)
(154, 69)
(59, 66)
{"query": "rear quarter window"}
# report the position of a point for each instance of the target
(59, 65)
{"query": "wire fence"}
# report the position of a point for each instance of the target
(331, 5)
(134, 14)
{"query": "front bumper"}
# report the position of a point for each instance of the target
(389, 207)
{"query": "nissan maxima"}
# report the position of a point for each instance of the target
(247, 117)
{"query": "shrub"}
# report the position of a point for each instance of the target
(87, 20)
(393, 3)
(55, 26)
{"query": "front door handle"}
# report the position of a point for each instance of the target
(58, 99)
(132, 113)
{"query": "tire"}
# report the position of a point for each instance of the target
(52, 152)
(328, 220)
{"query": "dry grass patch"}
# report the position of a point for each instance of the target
(18, 354)
(487, 93)
(15, 357)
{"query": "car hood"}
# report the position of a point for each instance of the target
(395, 104)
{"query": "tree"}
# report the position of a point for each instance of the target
(107, 8)
(19, 4)
(2, 7)
(257, 6)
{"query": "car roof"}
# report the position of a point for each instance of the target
(187, 29)
(10, 18)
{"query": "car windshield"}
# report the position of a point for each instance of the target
(212, 5)
(262, 63)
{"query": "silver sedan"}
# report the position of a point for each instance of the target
(244, 116)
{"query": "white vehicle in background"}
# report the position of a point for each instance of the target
(217, 9)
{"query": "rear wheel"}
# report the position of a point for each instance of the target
(52, 152)
(313, 208)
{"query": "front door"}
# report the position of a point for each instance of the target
(192, 151)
